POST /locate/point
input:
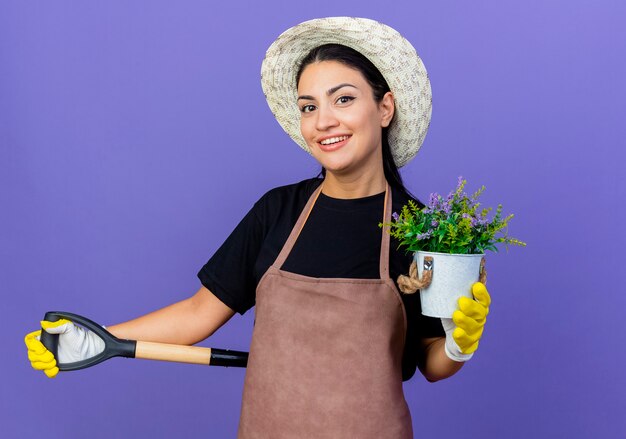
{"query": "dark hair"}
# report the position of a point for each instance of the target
(353, 59)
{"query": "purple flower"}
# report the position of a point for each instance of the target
(479, 221)
(426, 235)
(433, 201)
(434, 223)
(466, 215)
(446, 207)
(395, 216)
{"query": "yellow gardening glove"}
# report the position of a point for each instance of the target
(465, 328)
(40, 357)
(75, 344)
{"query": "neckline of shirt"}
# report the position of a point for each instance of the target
(368, 202)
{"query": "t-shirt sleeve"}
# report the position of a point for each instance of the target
(431, 327)
(229, 274)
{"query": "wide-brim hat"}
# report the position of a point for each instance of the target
(395, 58)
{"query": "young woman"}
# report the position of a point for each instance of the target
(334, 338)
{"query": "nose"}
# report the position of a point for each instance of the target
(326, 118)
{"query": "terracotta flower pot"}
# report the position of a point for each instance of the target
(452, 277)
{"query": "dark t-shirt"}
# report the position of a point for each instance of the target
(341, 238)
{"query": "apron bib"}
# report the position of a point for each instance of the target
(326, 353)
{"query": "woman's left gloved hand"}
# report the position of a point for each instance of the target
(464, 329)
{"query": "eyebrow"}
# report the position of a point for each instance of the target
(329, 92)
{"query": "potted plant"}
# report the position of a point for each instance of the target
(449, 238)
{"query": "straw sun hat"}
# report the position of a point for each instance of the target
(389, 51)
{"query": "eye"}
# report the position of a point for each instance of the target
(307, 108)
(344, 99)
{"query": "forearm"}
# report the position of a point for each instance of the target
(186, 322)
(435, 364)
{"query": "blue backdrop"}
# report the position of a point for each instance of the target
(134, 136)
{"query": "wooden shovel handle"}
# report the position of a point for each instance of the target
(190, 354)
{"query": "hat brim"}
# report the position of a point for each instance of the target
(390, 52)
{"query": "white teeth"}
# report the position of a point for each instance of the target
(333, 140)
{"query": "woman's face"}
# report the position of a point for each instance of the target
(340, 120)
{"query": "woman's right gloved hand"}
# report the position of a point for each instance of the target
(75, 344)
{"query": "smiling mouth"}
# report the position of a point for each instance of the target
(333, 140)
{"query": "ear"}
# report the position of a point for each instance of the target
(387, 108)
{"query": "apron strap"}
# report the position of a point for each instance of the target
(384, 244)
(295, 232)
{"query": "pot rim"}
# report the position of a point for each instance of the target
(469, 255)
